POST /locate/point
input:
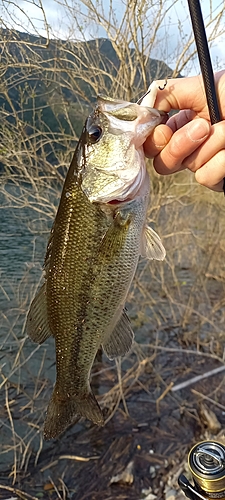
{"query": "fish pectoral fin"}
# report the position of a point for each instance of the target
(152, 246)
(63, 411)
(120, 340)
(37, 325)
(115, 237)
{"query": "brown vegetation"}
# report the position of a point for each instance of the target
(177, 307)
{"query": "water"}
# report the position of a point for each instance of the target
(26, 369)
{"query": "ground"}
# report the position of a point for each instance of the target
(177, 310)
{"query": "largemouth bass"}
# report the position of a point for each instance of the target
(95, 243)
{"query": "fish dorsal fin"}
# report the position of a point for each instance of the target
(120, 340)
(37, 325)
(152, 247)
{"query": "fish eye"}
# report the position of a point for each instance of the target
(94, 133)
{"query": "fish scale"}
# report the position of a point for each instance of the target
(92, 255)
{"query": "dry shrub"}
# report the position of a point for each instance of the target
(177, 304)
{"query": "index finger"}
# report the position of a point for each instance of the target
(182, 144)
(188, 93)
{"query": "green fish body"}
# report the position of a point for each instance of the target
(96, 240)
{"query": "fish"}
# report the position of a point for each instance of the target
(99, 232)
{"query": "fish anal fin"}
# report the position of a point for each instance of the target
(120, 340)
(37, 325)
(152, 246)
(63, 411)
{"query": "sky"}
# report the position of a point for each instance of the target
(17, 13)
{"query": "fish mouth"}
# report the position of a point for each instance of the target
(117, 202)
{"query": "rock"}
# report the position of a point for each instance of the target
(171, 495)
(152, 471)
(125, 477)
(148, 494)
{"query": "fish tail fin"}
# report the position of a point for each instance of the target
(62, 412)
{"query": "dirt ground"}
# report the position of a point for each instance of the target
(177, 310)
(141, 450)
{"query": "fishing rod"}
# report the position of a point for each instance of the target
(206, 460)
(205, 62)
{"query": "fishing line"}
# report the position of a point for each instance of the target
(205, 62)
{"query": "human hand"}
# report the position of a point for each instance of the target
(188, 140)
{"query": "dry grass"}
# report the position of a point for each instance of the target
(177, 310)
(177, 307)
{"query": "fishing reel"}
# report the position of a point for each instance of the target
(206, 462)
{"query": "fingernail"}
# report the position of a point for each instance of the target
(198, 130)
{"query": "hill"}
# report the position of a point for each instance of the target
(47, 90)
(44, 77)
